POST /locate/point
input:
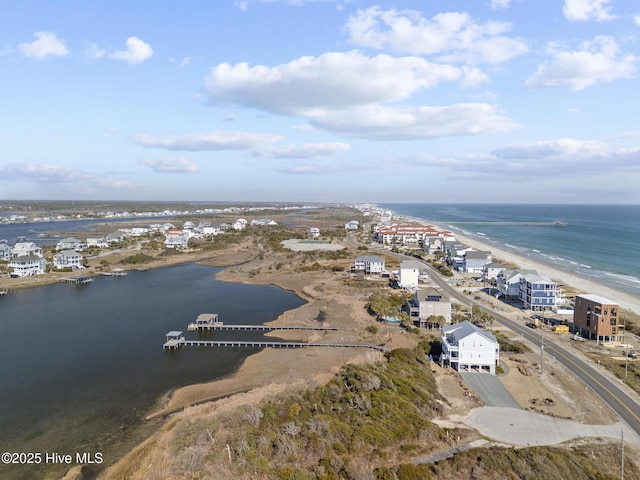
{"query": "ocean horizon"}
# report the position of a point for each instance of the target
(598, 242)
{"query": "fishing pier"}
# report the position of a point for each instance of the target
(556, 223)
(176, 340)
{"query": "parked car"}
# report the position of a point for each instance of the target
(632, 354)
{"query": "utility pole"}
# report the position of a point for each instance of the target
(541, 346)
(622, 453)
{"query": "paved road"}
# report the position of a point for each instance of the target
(618, 400)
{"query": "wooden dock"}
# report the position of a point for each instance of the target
(175, 343)
(116, 272)
(78, 279)
(209, 321)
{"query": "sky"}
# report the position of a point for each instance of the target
(476, 101)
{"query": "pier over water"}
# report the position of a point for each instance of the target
(556, 223)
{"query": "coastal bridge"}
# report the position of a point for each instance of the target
(175, 340)
(556, 223)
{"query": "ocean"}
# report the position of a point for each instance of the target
(600, 242)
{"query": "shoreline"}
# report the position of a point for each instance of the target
(625, 300)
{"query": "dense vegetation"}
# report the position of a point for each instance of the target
(371, 422)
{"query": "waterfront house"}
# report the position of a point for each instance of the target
(115, 237)
(99, 242)
(369, 264)
(537, 293)
(491, 270)
(596, 317)
(475, 261)
(467, 347)
(508, 283)
(429, 303)
(5, 251)
(26, 265)
(409, 273)
(314, 232)
(26, 249)
(176, 239)
(67, 258)
(71, 243)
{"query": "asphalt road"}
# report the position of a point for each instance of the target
(618, 400)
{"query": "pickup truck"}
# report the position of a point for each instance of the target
(630, 354)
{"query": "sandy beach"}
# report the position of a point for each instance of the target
(583, 285)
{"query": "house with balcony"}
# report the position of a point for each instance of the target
(475, 260)
(491, 270)
(466, 347)
(537, 293)
(597, 317)
(71, 243)
(369, 264)
(426, 305)
(26, 249)
(5, 251)
(26, 265)
(68, 258)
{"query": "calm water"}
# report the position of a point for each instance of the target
(81, 365)
(599, 243)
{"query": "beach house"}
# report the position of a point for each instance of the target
(596, 317)
(409, 273)
(475, 261)
(537, 293)
(26, 265)
(26, 249)
(369, 264)
(67, 258)
(426, 305)
(5, 251)
(468, 347)
(71, 243)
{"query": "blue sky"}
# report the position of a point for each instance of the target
(521, 101)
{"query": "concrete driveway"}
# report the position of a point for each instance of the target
(489, 389)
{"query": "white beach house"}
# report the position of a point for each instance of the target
(468, 347)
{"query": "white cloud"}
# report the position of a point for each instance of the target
(332, 80)
(597, 62)
(496, 4)
(453, 36)
(42, 173)
(347, 93)
(217, 140)
(170, 165)
(559, 157)
(413, 123)
(137, 51)
(582, 10)
(306, 150)
(47, 44)
(636, 20)
(94, 52)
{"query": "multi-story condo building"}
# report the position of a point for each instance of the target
(537, 293)
(596, 317)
